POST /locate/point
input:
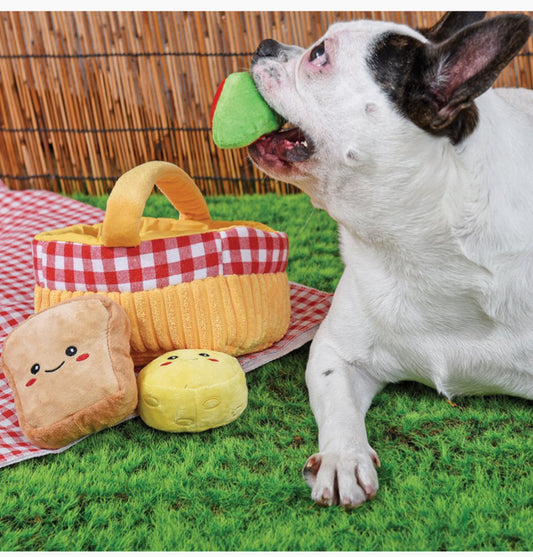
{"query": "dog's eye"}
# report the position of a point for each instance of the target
(318, 55)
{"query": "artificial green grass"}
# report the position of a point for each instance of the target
(452, 478)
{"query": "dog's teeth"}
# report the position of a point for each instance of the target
(304, 144)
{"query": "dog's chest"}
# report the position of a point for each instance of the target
(431, 321)
(432, 286)
(447, 318)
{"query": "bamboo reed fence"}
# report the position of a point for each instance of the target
(85, 96)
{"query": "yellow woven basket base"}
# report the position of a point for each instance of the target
(235, 314)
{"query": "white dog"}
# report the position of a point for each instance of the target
(429, 174)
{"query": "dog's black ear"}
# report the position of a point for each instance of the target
(465, 66)
(450, 24)
(435, 85)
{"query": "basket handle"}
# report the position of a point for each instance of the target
(122, 221)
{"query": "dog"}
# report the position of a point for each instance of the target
(399, 135)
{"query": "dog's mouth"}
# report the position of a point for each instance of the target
(287, 146)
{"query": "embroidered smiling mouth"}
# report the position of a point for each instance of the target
(288, 145)
(55, 369)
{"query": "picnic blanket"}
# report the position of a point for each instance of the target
(23, 214)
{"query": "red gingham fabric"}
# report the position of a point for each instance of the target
(25, 214)
(158, 263)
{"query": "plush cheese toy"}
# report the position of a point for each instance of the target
(191, 390)
(70, 370)
(239, 115)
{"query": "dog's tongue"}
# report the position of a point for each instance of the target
(289, 146)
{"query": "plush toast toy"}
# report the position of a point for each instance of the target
(239, 115)
(70, 370)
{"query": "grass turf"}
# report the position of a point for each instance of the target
(452, 478)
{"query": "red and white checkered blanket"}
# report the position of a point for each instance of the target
(27, 213)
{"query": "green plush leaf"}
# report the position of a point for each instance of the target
(240, 115)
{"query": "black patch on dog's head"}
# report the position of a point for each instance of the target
(400, 65)
(435, 85)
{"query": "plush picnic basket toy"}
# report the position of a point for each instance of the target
(184, 283)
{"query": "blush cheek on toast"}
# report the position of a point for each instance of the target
(428, 172)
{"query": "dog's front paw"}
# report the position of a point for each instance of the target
(342, 479)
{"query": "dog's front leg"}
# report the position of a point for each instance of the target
(343, 472)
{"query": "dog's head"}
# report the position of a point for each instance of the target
(368, 84)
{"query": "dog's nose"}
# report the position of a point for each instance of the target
(269, 48)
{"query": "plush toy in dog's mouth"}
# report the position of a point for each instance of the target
(241, 117)
(289, 145)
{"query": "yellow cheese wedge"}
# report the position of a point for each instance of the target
(191, 390)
